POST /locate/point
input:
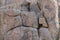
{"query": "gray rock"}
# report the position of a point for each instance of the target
(22, 33)
(45, 34)
(20, 24)
(34, 7)
(29, 19)
(9, 21)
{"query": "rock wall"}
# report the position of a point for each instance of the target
(29, 20)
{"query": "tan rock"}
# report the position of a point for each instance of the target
(43, 22)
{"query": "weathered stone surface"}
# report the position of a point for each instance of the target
(43, 22)
(16, 5)
(22, 33)
(34, 7)
(9, 21)
(17, 23)
(49, 9)
(12, 13)
(29, 19)
(45, 34)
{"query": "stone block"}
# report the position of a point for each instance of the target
(9, 20)
(29, 19)
(22, 33)
(43, 22)
(45, 34)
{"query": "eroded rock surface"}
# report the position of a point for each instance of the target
(29, 20)
(22, 33)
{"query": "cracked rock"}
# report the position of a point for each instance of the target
(49, 9)
(45, 34)
(43, 22)
(22, 33)
(9, 22)
(23, 19)
(29, 19)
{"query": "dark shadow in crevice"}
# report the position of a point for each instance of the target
(41, 25)
(14, 28)
(28, 6)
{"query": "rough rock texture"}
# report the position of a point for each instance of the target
(10, 21)
(28, 20)
(22, 33)
(42, 21)
(45, 34)
(49, 10)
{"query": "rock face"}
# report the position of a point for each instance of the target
(29, 20)
(49, 10)
(22, 33)
(45, 34)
